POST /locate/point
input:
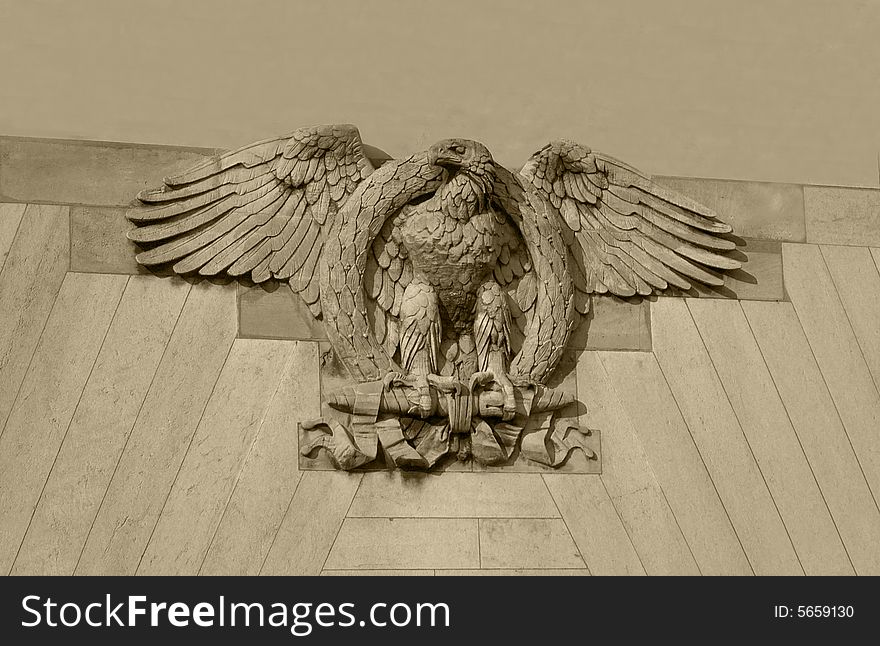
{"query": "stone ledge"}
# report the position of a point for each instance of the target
(770, 210)
(60, 171)
(98, 173)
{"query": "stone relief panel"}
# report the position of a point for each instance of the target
(448, 287)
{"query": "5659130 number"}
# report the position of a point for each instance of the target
(813, 611)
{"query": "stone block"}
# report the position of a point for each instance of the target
(10, 218)
(405, 544)
(629, 478)
(765, 210)
(98, 244)
(772, 439)
(272, 311)
(310, 525)
(99, 428)
(614, 324)
(453, 495)
(34, 268)
(527, 543)
(718, 436)
(166, 423)
(836, 347)
(855, 275)
(644, 393)
(228, 429)
(844, 216)
(269, 478)
(760, 277)
(595, 525)
(48, 398)
(817, 423)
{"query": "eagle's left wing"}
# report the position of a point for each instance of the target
(626, 234)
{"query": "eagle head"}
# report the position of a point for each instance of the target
(470, 171)
(469, 156)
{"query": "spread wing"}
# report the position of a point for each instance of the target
(626, 235)
(262, 209)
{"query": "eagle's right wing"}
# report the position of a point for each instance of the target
(260, 210)
(626, 234)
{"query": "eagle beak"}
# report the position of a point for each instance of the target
(442, 156)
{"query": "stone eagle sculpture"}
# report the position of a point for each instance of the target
(448, 285)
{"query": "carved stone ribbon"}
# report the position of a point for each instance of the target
(351, 447)
(411, 443)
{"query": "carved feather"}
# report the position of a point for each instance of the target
(259, 209)
(633, 236)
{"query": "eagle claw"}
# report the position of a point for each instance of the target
(394, 379)
(422, 384)
(445, 385)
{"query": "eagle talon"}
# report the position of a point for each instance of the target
(482, 378)
(445, 385)
(397, 379)
(420, 383)
(392, 379)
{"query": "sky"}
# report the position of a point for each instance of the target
(772, 90)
